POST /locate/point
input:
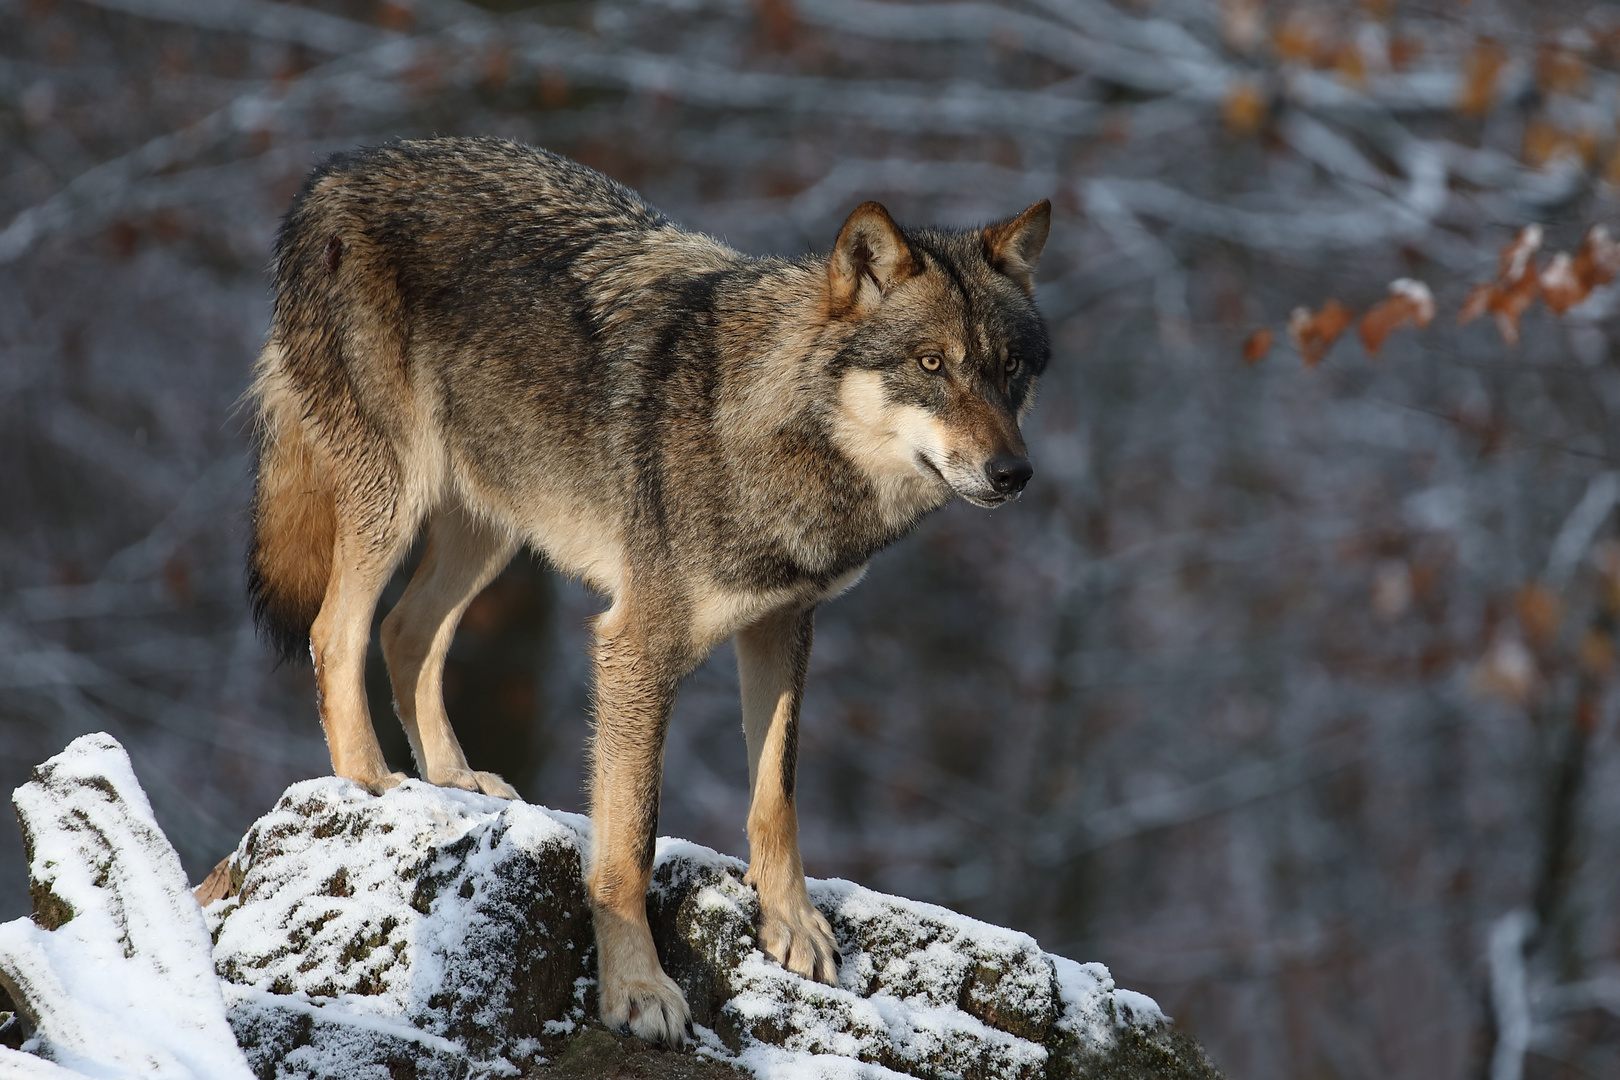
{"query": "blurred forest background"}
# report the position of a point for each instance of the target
(1287, 690)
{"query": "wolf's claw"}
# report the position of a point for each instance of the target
(469, 780)
(801, 940)
(650, 1007)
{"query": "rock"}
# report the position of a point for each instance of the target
(293, 1038)
(922, 990)
(434, 934)
(463, 917)
(113, 971)
(456, 914)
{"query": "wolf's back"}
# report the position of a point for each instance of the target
(338, 419)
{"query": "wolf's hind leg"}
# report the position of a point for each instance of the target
(462, 557)
(338, 640)
(772, 657)
(637, 669)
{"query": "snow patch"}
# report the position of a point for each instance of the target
(124, 984)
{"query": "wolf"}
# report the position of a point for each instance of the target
(499, 347)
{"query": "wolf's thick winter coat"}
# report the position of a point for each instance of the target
(515, 350)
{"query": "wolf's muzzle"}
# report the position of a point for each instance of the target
(1009, 474)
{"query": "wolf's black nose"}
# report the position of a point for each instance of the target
(1008, 473)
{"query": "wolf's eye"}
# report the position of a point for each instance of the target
(1011, 363)
(930, 361)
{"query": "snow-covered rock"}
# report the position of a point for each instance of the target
(113, 971)
(463, 917)
(458, 916)
(443, 935)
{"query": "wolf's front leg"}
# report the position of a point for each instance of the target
(636, 677)
(772, 657)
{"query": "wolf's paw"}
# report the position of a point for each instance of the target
(384, 783)
(491, 784)
(798, 937)
(652, 1008)
(487, 782)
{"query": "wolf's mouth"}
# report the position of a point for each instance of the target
(930, 467)
(989, 502)
(988, 499)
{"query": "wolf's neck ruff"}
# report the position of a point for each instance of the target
(507, 348)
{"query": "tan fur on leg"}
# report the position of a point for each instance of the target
(772, 657)
(461, 558)
(636, 677)
(338, 641)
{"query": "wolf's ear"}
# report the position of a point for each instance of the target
(1014, 247)
(870, 258)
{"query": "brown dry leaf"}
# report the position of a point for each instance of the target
(1509, 306)
(1518, 258)
(1404, 52)
(1597, 260)
(497, 67)
(1391, 589)
(1515, 289)
(1585, 145)
(1560, 285)
(1476, 303)
(1314, 334)
(1507, 670)
(1244, 108)
(1606, 557)
(1409, 300)
(1306, 37)
(217, 885)
(1243, 24)
(1559, 70)
(1484, 63)
(777, 23)
(1419, 296)
(1257, 346)
(1587, 715)
(1597, 654)
(394, 15)
(426, 72)
(1116, 126)
(1540, 611)
(1350, 64)
(1381, 319)
(553, 88)
(1543, 141)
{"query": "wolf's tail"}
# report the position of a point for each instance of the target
(294, 521)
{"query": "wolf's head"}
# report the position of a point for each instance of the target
(944, 349)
